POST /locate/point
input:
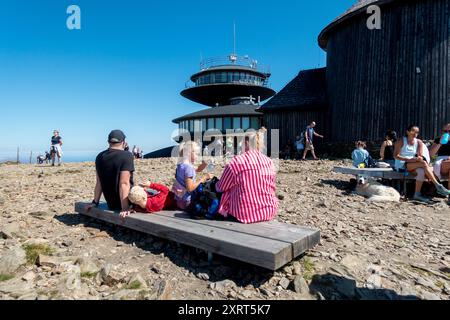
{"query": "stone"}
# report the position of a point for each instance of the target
(221, 286)
(10, 231)
(29, 296)
(300, 285)
(15, 288)
(164, 290)
(29, 276)
(42, 215)
(247, 294)
(430, 296)
(47, 261)
(87, 266)
(374, 282)
(297, 269)
(351, 262)
(203, 276)
(284, 283)
(12, 260)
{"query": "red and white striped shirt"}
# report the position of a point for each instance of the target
(248, 184)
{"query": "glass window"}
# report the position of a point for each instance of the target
(227, 123)
(255, 123)
(203, 125)
(211, 123)
(237, 123)
(191, 125)
(229, 77)
(197, 124)
(245, 123)
(219, 124)
(236, 76)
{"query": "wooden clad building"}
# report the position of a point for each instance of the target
(300, 102)
(392, 77)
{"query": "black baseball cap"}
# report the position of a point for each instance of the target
(116, 136)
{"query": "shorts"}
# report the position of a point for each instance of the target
(309, 146)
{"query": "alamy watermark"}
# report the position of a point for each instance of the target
(73, 21)
(374, 21)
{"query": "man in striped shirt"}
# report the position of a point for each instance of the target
(248, 184)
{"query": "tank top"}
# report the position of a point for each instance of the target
(408, 152)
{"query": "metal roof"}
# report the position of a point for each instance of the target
(307, 89)
(237, 110)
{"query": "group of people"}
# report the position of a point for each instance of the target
(304, 143)
(411, 155)
(138, 153)
(246, 187)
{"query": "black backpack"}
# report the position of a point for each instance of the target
(205, 200)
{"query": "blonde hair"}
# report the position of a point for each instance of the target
(137, 195)
(256, 139)
(186, 148)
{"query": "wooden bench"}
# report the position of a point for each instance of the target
(270, 245)
(383, 173)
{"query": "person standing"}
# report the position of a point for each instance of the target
(115, 168)
(310, 133)
(56, 147)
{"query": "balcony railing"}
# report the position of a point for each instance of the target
(233, 60)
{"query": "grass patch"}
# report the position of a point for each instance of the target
(308, 267)
(134, 285)
(5, 277)
(88, 275)
(34, 250)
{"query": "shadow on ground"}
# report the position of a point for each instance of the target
(334, 287)
(188, 258)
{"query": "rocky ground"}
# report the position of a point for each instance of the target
(368, 251)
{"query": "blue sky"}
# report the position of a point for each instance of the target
(127, 65)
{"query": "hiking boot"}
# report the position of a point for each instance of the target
(422, 199)
(442, 190)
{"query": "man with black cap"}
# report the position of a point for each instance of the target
(115, 169)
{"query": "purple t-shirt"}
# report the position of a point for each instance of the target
(185, 170)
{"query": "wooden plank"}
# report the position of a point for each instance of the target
(264, 252)
(384, 173)
(301, 238)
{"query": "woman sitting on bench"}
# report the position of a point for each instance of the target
(248, 184)
(409, 156)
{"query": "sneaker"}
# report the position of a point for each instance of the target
(442, 190)
(422, 199)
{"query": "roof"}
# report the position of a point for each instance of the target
(355, 10)
(238, 110)
(306, 90)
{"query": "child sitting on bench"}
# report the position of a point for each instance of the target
(151, 197)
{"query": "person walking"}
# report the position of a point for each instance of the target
(310, 133)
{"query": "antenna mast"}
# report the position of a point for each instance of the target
(233, 56)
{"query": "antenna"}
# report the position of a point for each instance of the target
(234, 37)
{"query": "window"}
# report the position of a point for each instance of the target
(191, 125)
(255, 123)
(227, 123)
(197, 125)
(236, 123)
(219, 124)
(211, 123)
(236, 76)
(203, 125)
(229, 77)
(245, 123)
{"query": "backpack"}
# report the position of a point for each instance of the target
(205, 200)
(370, 163)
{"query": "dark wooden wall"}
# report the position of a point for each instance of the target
(292, 123)
(372, 83)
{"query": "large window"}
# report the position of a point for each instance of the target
(211, 123)
(197, 124)
(227, 123)
(203, 124)
(191, 125)
(219, 125)
(245, 123)
(237, 123)
(255, 123)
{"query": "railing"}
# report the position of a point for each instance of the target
(233, 60)
(189, 84)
